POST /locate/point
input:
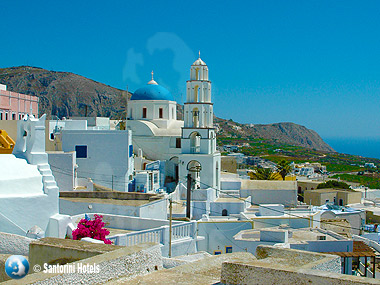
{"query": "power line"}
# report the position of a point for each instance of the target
(275, 210)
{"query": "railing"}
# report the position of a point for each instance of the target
(195, 149)
(157, 235)
(129, 239)
(365, 271)
(183, 231)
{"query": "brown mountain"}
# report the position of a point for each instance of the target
(65, 94)
(286, 133)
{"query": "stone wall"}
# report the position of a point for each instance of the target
(126, 262)
(3, 275)
(62, 251)
(14, 244)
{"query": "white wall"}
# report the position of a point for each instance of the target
(156, 209)
(62, 165)
(354, 218)
(219, 234)
(233, 207)
(271, 196)
(28, 192)
(108, 161)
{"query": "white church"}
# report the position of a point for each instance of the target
(188, 146)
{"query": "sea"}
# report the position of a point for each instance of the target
(367, 147)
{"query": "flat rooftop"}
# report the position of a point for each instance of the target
(329, 190)
(133, 203)
(134, 199)
(230, 200)
(295, 236)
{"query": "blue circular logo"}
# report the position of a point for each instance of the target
(16, 266)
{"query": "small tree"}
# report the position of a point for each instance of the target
(333, 184)
(92, 228)
(283, 168)
(263, 174)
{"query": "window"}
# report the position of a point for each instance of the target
(130, 150)
(155, 178)
(13, 116)
(144, 113)
(327, 200)
(228, 249)
(81, 151)
(6, 116)
(340, 202)
(52, 136)
(224, 212)
(160, 113)
(178, 142)
(1, 115)
(217, 252)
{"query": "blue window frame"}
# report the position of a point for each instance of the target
(130, 150)
(228, 249)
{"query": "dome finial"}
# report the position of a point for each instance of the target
(152, 82)
(199, 54)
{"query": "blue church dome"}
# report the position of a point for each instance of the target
(152, 91)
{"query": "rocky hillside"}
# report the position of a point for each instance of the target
(65, 94)
(286, 133)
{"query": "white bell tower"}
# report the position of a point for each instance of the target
(198, 141)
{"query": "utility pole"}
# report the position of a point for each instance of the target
(126, 111)
(170, 226)
(188, 196)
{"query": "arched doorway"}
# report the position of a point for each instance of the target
(195, 117)
(172, 169)
(196, 93)
(195, 142)
(224, 212)
(194, 168)
(217, 171)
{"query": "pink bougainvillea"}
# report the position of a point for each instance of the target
(92, 228)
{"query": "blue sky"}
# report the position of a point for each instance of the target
(315, 63)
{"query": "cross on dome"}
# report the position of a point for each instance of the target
(199, 61)
(152, 82)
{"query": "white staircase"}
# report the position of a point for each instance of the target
(47, 177)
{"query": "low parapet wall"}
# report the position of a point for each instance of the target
(288, 266)
(62, 251)
(14, 244)
(126, 262)
(110, 195)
